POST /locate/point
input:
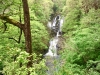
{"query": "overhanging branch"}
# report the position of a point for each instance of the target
(12, 21)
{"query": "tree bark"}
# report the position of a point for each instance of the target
(27, 31)
(12, 21)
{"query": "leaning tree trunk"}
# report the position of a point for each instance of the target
(27, 31)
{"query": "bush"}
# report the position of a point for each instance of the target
(15, 63)
(40, 36)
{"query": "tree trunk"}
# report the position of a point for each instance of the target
(27, 31)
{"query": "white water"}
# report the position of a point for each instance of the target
(56, 26)
(52, 48)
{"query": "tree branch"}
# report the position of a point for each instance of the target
(18, 41)
(14, 39)
(5, 26)
(12, 21)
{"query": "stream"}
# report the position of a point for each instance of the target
(52, 58)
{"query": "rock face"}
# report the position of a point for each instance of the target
(60, 44)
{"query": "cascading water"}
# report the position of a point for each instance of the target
(52, 48)
(55, 27)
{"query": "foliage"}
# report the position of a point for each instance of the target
(11, 55)
(13, 60)
(72, 20)
(72, 14)
(40, 36)
(10, 7)
(42, 9)
(58, 5)
(81, 29)
(36, 25)
(16, 63)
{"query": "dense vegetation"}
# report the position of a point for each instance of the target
(81, 31)
(81, 52)
(13, 57)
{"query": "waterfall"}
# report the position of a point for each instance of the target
(55, 27)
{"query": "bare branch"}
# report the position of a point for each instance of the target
(18, 41)
(14, 39)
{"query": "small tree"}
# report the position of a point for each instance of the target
(24, 27)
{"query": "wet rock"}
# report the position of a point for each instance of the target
(60, 44)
